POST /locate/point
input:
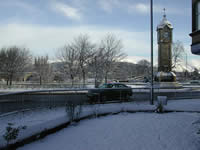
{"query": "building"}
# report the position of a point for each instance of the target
(195, 47)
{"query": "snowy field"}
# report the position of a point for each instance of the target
(140, 131)
(173, 131)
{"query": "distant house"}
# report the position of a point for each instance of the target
(195, 47)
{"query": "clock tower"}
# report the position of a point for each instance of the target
(164, 36)
(164, 31)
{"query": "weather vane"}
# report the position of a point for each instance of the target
(164, 13)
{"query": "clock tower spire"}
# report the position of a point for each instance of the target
(164, 13)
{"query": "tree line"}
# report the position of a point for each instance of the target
(78, 60)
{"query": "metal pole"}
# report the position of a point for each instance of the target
(186, 67)
(152, 90)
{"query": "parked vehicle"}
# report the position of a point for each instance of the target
(110, 92)
(195, 82)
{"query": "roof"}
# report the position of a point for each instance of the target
(164, 23)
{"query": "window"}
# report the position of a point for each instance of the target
(198, 15)
(109, 86)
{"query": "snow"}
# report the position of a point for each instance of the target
(140, 131)
(164, 23)
(40, 119)
(184, 105)
(137, 130)
(35, 121)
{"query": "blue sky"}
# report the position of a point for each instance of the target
(43, 26)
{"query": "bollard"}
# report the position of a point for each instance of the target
(162, 100)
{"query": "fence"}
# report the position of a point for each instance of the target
(32, 99)
(44, 86)
(190, 92)
(39, 99)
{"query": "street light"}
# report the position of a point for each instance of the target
(152, 91)
(186, 64)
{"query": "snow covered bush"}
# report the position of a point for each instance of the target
(95, 110)
(161, 101)
(73, 110)
(159, 108)
(123, 108)
(12, 132)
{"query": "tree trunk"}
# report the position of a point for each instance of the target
(83, 78)
(10, 83)
(83, 75)
(106, 77)
(40, 80)
(95, 80)
(10, 79)
(72, 80)
(7, 80)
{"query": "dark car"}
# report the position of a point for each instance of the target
(196, 82)
(110, 92)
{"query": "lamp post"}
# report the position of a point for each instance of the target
(152, 90)
(186, 64)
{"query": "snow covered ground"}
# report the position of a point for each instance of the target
(124, 131)
(42, 119)
(140, 131)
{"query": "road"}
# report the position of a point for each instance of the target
(30, 100)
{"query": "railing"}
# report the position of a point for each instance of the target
(174, 93)
(43, 86)
(26, 100)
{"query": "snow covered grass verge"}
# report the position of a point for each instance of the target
(35, 121)
(44, 121)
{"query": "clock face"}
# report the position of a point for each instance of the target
(166, 35)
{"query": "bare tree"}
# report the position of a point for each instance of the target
(121, 71)
(143, 67)
(97, 66)
(85, 49)
(177, 54)
(14, 61)
(82, 54)
(2, 59)
(42, 68)
(69, 57)
(195, 74)
(112, 53)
